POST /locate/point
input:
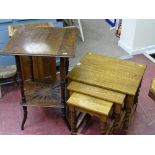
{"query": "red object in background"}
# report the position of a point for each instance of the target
(118, 31)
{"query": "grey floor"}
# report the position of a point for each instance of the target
(99, 39)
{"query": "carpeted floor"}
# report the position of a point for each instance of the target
(44, 121)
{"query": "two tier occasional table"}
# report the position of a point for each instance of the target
(49, 42)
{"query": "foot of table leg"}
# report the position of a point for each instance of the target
(24, 117)
(126, 121)
(103, 128)
(116, 124)
(73, 121)
(66, 119)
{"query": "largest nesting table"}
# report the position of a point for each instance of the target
(42, 41)
(112, 74)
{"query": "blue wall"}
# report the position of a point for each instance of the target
(4, 23)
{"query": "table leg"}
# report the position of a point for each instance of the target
(20, 78)
(24, 117)
(21, 85)
(128, 108)
(31, 67)
(103, 127)
(63, 72)
(117, 118)
(73, 120)
(63, 77)
(136, 97)
(67, 67)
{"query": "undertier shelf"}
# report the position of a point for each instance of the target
(42, 94)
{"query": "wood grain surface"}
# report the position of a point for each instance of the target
(97, 92)
(89, 103)
(109, 73)
(13, 28)
(43, 41)
(39, 68)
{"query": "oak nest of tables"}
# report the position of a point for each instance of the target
(109, 79)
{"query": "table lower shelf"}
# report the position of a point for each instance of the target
(43, 94)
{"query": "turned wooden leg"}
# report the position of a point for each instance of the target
(64, 64)
(0, 91)
(128, 107)
(132, 112)
(73, 120)
(63, 101)
(63, 77)
(24, 117)
(20, 77)
(117, 117)
(21, 85)
(67, 65)
(116, 124)
(103, 127)
(31, 67)
(136, 96)
(126, 121)
(63, 97)
(136, 99)
(63, 70)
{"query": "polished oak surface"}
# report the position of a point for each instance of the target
(43, 41)
(97, 92)
(89, 103)
(109, 73)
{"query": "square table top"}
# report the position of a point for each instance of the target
(109, 73)
(43, 41)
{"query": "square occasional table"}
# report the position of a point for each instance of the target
(49, 42)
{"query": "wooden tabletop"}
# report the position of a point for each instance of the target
(13, 28)
(97, 92)
(89, 103)
(109, 73)
(43, 41)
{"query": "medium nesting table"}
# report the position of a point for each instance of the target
(49, 42)
(112, 74)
